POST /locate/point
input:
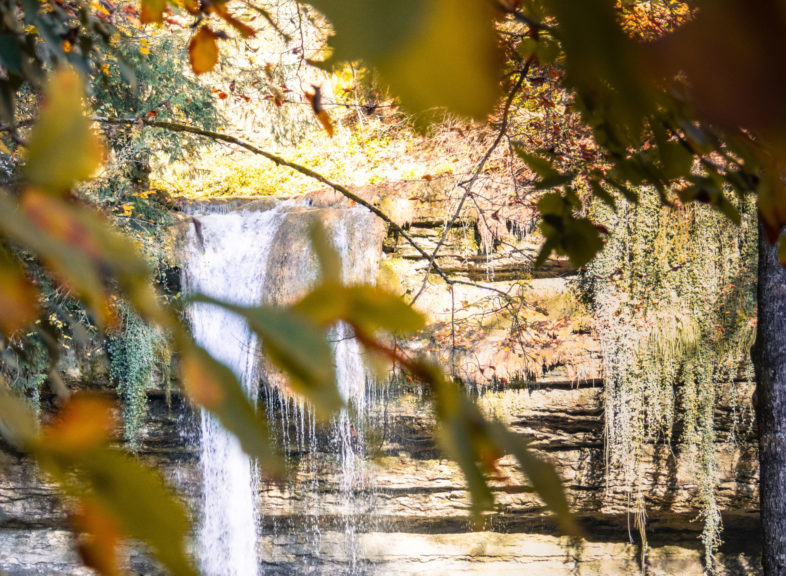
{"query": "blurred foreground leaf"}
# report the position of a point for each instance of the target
(565, 232)
(367, 308)
(476, 444)
(203, 50)
(214, 387)
(110, 487)
(432, 53)
(18, 297)
(62, 149)
(83, 251)
(296, 345)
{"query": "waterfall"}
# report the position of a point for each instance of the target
(250, 257)
(228, 260)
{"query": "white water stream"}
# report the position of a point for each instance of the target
(230, 261)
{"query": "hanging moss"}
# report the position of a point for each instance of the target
(137, 353)
(673, 294)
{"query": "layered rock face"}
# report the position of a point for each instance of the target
(405, 510)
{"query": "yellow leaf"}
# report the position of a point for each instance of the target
(83, 251)
(203, 50)
(213, 386)
(432, 53)
(200, 386)
(62, 149)
(152, 11)
(98, 8)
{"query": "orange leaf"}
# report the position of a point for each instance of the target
(220, 8)
(85, 423)
(18, 302)
(199, 381)
(97, 545)
(315, 99)
(152, 11)
(203, 50)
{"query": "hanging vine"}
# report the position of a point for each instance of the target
(673, 294)
(137, 353)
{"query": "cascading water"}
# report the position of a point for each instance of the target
(251, 257)
(333, 510)
(227, 259)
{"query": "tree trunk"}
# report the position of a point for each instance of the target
(770, 361)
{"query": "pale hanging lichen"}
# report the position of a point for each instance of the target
(673, 295)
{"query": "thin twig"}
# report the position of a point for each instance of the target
(468, 184)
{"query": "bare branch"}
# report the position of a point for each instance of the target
(468, 184)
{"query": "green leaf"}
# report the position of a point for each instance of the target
(602, 194)
(547, 51)
(549, 246)
(537, 164)
(213, 386)
(580, 241)
(544, 477)
(432, 53)
(477, 443)
(601, 65)
(366, 308)
(62, 149)
(675, 158)
(549, 176)
(575, 237)
(296, 345)
(552, 203)
(527, 47)
(329, 259)
(460, 435)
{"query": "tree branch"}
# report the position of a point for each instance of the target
(468, 184)
(279, 161)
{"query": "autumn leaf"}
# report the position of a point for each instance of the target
(213, 386)
(62, 149)
(18, 302)
(84, 423)
(315, 98)
(432, 53)
(99, 539)
(220, 9)
(152, 11)
(203, 50)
